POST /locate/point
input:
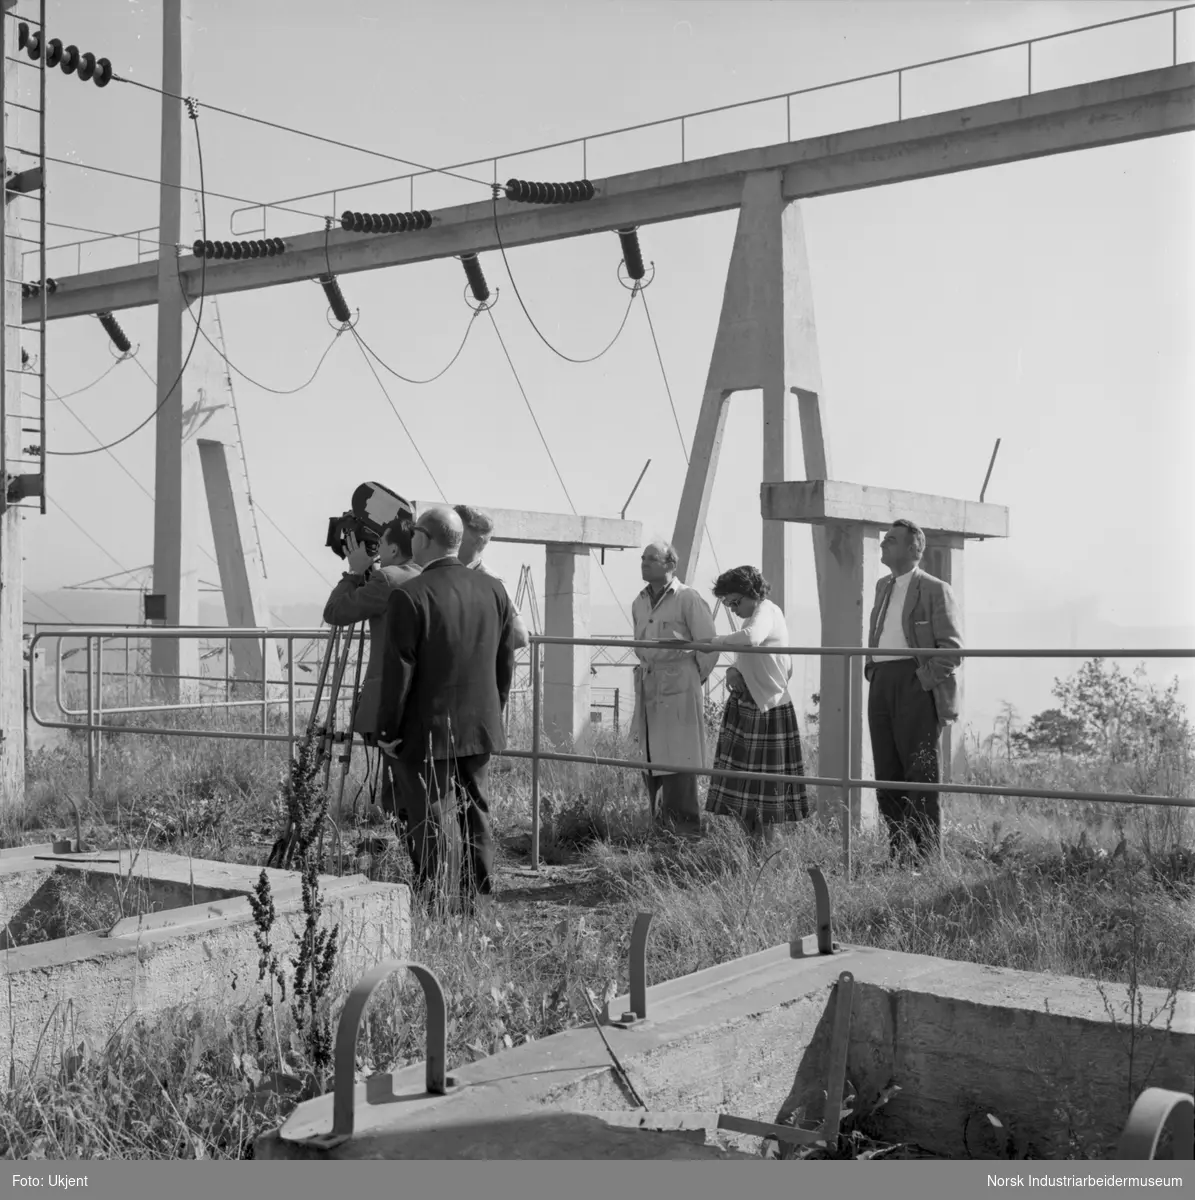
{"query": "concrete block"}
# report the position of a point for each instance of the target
(750, 1038)
(84, 989)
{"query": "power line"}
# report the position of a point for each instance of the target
(91, 539)
(42, 600)
(264, 387)
(676, 419)
(293, 546)
(316, 137)
(460, 350)
(202, 292)
(552, 460)
(519, 298)
(410, 438)
(182, 187)
(78, 391)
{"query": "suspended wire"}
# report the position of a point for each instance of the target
(460, 350)
(90, 538)
(552, 460)
(410, 438)
(53, 608)
(534, 418)
(145, 491)
(316, 137)
(256, 383)
(676, 419)
(202, 291)
(181, 187)
(293, 546)
(256, 506)
(634, 291)
(78, 391)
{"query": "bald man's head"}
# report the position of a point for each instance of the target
(441, 534)
(658, 563)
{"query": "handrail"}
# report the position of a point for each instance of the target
(681, 118)
(844, 783)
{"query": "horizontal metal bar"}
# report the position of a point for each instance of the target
(883, 784)
(218, 633)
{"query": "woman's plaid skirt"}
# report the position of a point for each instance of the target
(768, 742)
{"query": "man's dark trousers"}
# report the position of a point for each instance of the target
(425, 797)
(904, 727)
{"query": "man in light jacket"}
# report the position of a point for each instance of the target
(669, 700)
(910, 698)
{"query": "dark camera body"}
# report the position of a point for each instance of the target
(374, 507)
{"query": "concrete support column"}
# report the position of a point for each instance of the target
(566, 672)
(944, 558)
(244, 606)
(851, 570)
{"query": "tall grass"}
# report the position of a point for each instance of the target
(1057, 886)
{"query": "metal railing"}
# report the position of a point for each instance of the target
(897, 74)
(843, 782)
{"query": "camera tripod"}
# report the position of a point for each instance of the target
(323, 736)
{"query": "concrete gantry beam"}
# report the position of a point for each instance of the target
(829, 502)
(567, 529)
(568, 540)
(1105, 113)
(854, 517)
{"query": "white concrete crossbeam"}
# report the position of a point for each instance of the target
(1104, 113)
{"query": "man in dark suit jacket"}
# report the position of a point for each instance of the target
(910, 699)
(363, 594)
(446, 677)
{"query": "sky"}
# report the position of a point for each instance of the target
(1046, 303)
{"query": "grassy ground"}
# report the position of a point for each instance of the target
(1049, 886)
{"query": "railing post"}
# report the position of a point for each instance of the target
(128, 687)
(99, 707)
(265, 700)
(900, 99)
(1029, 46)
(848, 724)
(90, 724)
(788, 118)
(682, 139)
(227, 669)
(535, 755)
(290, 691)
(1174, 36)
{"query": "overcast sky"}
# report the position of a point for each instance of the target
(1047, 303)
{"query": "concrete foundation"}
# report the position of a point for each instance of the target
(750, 1038)
(191, 944)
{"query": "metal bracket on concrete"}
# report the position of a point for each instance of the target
(1155, 1110)
(380, 1087)
(638, 972)
(64, 846)
(823, 942)
(840, 1041)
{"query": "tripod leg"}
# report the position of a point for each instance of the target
(329, 651)
(329, 739)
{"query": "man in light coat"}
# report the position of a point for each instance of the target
(669, 700)
(910, 698)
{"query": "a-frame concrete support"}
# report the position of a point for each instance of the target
(766, 340)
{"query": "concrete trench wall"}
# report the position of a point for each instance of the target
(56, 995)
(751, 1038)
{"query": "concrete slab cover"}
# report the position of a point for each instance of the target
(749, 1037)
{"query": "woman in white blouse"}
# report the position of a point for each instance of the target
(759, 724)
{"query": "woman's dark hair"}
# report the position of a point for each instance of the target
(399, 532)
(742, 581)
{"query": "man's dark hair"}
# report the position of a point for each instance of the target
(916, 535)
(742, 581)
(398, 533)
(474, 520)
(440, 532)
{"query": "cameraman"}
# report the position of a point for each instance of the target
(363, 594)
